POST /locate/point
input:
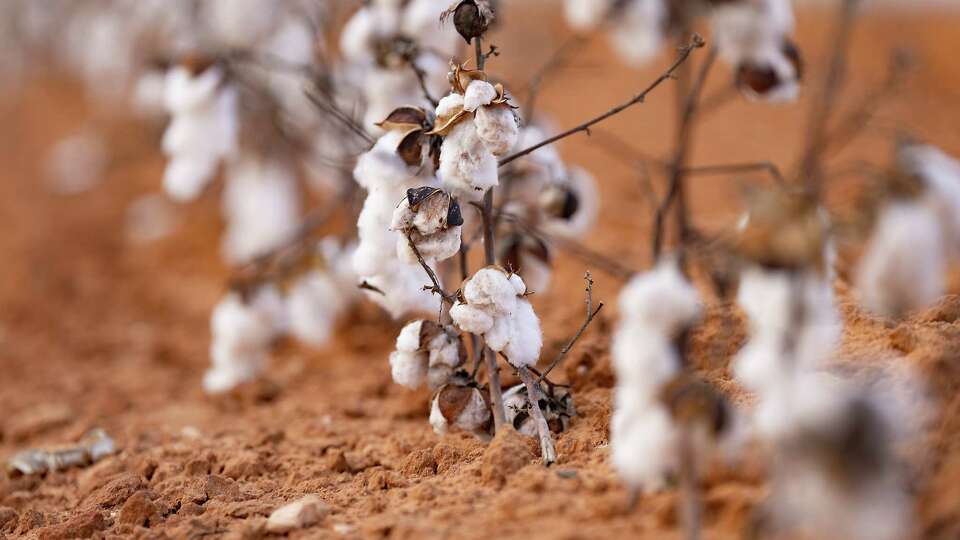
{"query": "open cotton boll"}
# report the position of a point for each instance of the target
(202, 131)
(478, 94)
(467, 167)
(426, 351)
(661, 299)
(642, 441)
(262, 208)
(638, 32)
(903, 267)
(585, 15)
(314, 303)
(497, 128)
(402, 289)
(241, 335)
(570, 206)
(941, 175)
(494, 307)
(426, 225)
(460, 407)
(515, 407)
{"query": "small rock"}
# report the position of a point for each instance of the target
(117, 491)
(140, 510)
(297, 515)
(221, 487)
(84, 525)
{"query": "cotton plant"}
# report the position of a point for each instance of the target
(204, 126)
(837, 472)
(657, 309)
(426, 352)
(477, 124)
(787, 293)
(494, 306)
(243, 326)
(915, 236)
(386, 43)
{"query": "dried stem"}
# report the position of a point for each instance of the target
(422, 80)
(496, 393)
(591, 313)
(695, 43)
(435, 288)
(811, 167)
(352, 125)
(534, 395)
(675, 191)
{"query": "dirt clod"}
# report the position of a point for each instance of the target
(508, 453)
(297, 515)
(140, 510)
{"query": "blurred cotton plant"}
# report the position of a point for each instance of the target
(915, 235)
(751, 35)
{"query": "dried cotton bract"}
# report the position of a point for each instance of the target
(242, 327)
(426, 352)
(657, 308)
(203, 129)
(494, 306)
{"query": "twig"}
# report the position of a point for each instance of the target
(675, 191)
(811, 167)
(421, 79)
(496, 393)
(695, 43)
(732, 168)
(435, 288)
(591, 313)
(534, 396)
(352, 125)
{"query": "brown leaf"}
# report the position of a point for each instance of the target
(410, 148)
(404, 118)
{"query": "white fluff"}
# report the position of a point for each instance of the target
(473, 418)
(903, 267)
(585, 15)
(584, 186)
(495, 308)
(241, 337)
(427, 227)
(203, 129)
(318, 298)
(497, 128)
(420, 356)
(262, 208)
(637, 34)
(467, 167)
(386, 178)
(654, 308)
(941, 176)
(478, 94)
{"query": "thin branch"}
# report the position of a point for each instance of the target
(591, 313)
(352, 125)
(435, 288)
(811, 167)
(422, 80)
(534, 395)
(675, 191)
(695, 43)
(733, 168)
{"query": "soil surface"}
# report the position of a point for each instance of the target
(97, 330)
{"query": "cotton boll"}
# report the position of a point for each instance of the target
(642, 442)
(491, 288)
(571, 206)
(460, 407)
(470, 319)
(903, 267)
(242, 332)
(203, 129)
(148, 94)
(584, 15)
(402, 289)
(262, 208)
(467, 168)
(426, 225)
(661, 299)
(314, 303)
(526, 338)
(478, 94)
(497, 128)
(516, 405)
(941, 175)
(638, 32)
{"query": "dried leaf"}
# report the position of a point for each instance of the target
(410, 148)
(415, 196)
(404, 118)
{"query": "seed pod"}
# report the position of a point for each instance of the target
(460, 407)
(556, 405)
(559, 202)
(471, 18)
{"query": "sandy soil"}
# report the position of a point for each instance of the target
(98, 331)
